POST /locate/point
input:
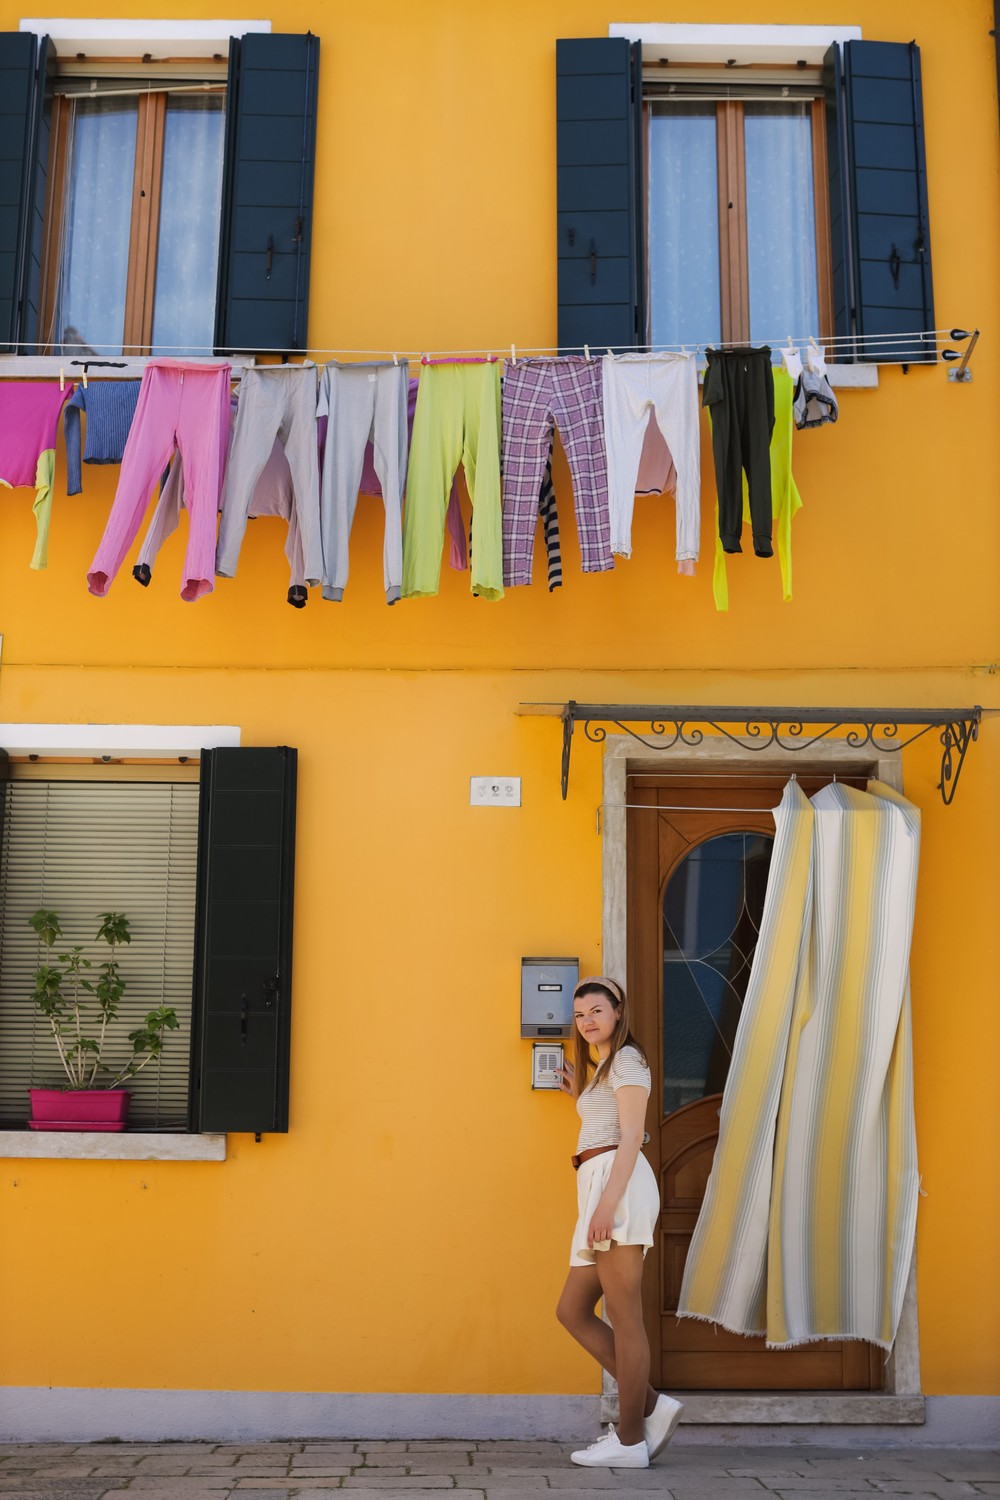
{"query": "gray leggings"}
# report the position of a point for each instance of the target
(362, 401)
(275, 401)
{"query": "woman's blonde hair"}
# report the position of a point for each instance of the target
(583, 1060)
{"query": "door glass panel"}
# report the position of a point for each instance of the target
(93, 266)
(683, 225)
(184, 312)
(711, 920)
(781, 219)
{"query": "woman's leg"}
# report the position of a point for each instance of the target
(575, 1311)
(620, 1273)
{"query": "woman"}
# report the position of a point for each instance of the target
(618, 1209)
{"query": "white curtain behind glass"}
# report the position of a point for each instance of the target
(93, 262)
(683, 225)
(781, 221)
(184, 310)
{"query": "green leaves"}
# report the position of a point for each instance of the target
(71, 1002)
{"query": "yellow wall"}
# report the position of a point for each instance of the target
(404, 1237)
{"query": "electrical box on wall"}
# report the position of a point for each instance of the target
(546, 1058)
(547, 986)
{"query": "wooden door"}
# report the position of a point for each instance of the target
(697, 871)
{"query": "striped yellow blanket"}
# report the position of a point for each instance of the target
(807, 1227)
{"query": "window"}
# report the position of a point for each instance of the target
(203, 868)
(82, 847)
(132, 220)
(737, 209)
(821, 156)
(142, 210)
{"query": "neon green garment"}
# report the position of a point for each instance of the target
(45, 472)
(785, 497)
(457, 421)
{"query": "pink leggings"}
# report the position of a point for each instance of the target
(181, 405)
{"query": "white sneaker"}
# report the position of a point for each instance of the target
(659, 1425)
(610, 1453)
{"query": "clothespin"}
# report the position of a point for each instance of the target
(611, 354)
(62, 378)
(792, 359)
(395, 358)
(513, 355)
(816, 358)
(85, 375)
(424, 360)
(586, 353)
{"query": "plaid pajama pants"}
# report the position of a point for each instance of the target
(536, 394)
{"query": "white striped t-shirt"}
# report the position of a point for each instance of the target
(598, 1108)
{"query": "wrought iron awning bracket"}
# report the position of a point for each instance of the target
(758, 729)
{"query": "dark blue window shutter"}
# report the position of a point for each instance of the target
(25, 105)
(879, 148)
(601, 259)
(243, 942)
(267, 201)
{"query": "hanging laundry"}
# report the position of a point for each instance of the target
(276, 401)
(739, 393)
(657, 474)
(181, 405)
(550, 526)
(815, 403)
(273, 496)
(29, 420)
(360, 399)
(638, 387)
(538, 394)
(785, 498)
(370, 485)
(110, 407)
(457, 421)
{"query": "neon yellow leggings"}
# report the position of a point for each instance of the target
(457, 420)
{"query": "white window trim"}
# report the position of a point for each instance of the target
(115, 740)
(685, 43)
(119, 38)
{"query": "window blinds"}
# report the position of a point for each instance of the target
(80, 848)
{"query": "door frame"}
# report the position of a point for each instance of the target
(901, 1400)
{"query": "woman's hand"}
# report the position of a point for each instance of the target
(602, 1224)
(566, 1075)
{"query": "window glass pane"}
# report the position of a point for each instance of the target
(781, 221)
(184, 310)
(93, 265)
(683, 225)
(712, 908)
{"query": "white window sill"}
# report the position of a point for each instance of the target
(853, 377)
(100, 1145)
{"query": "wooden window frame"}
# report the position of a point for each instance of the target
(144, 227)
(734, 277)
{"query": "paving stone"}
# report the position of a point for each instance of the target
(379, 1482)
(933, 1484)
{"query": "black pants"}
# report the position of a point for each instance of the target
(739, 391)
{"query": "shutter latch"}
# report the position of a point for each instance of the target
(268, 257)
(895, 263)
(270, 988)
(593, 262)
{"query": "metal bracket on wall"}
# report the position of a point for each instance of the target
(789, 729)
(961, 374)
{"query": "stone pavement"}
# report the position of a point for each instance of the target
(482, 1471)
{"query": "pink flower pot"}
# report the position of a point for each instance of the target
(79, 1109)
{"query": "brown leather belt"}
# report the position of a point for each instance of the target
(586, 1155)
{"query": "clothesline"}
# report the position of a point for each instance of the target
(865, 344)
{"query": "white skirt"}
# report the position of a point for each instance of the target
(637, 1213)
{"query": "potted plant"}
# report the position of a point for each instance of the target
(74, 1006)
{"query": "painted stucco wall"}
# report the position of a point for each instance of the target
(409, 1233)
